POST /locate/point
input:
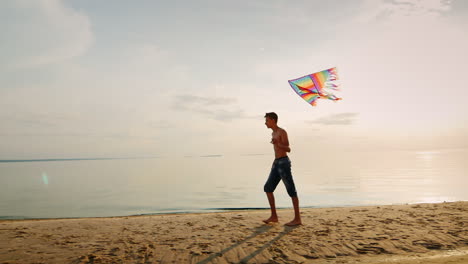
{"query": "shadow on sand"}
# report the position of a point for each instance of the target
(258, 231)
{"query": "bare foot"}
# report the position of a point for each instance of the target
(294, 222)
(272, 219)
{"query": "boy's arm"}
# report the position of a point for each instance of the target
(284, 141)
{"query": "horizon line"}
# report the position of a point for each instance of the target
(70, 159)
(115, 158)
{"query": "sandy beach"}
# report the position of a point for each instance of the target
(420, 233)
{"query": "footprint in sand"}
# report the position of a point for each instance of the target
(428, 244)
(21, 234)
(239, 217)
(378, 238)
(113, 251)
(359, 210)
(370, 248)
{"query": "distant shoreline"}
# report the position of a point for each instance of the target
(71, 159)
(115, 158)
(182, 211)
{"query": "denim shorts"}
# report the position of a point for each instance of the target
(281, 170)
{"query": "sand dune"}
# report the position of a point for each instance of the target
(423, 233)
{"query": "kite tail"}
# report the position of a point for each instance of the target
(333, 73)
(333, 86)
(332, 80)
(333, 97)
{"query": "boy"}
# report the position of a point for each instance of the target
(281, 170)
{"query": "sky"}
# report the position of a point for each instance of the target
(86, 78)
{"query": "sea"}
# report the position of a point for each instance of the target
(105, 187)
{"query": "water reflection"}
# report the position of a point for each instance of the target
(125, 187)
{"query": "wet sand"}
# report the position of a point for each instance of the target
(422, 233)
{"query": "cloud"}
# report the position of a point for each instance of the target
(217, 108)
(397, 10)
(402, 59)
(33, 121)
(206, 101)
(41, 32)
(336, 119)
(162, 124)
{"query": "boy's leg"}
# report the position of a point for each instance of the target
(274, 217)
(270, 186)
(288, 181)
(297, 214)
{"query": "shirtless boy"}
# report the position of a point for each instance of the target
(281, 170)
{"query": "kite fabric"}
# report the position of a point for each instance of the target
(312, 87)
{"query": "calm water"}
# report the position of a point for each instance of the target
(87, 188)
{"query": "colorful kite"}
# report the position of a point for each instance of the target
(312, 87)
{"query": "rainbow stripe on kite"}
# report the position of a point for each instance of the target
(312, 87)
